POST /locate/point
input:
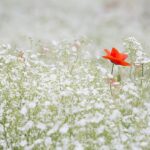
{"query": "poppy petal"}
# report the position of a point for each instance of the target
(115, 53)
(106, 57)
(124, 56)
(113, 59)
(107, 51)
(124, 63)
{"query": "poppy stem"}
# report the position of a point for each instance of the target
(110, 82)
(112, 69)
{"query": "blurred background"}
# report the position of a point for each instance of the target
(105, 22)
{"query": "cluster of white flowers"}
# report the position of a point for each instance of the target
(60, 99)
(135, 50)
(132, 43)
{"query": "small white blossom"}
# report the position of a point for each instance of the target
(1, 128)
(115, 115)
(23, 143)
(53, 77)
(41, 126)
(32, 105)
(24, 110)
(27, 126)
(64, 129)
(47, 141)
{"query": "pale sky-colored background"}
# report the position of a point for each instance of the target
(106, 22)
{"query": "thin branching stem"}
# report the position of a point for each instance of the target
(142, 74)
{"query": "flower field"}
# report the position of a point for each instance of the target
(59, 97)
(75, 75)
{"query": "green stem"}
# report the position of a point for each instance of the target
(110, 82)
(131, 70)
(112, 69)
(5, 135)
(142, 74)
(142, 70)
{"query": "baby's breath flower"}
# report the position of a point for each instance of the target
(47, 141)
(61, 100)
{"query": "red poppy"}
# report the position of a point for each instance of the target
(116, 57)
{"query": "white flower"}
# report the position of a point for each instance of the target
(31, 104)
(24, 110)
(99, 105)
(90, 119)
(47, 141)
(146, 131)
(102, 70)
(38, 141)
(64, 129)
(78, 146)
(124, 138)
(74, 49)
(132, 44)
(29, 147)
(41, 126)
(144, 144)
(115, 115)
(100, 129)
(47, 103)
(27, 126)
(53, 77)
(84, 91)
(119, 147)
(23, 143)
(110, 76)
(55, 43)
(1, 128)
